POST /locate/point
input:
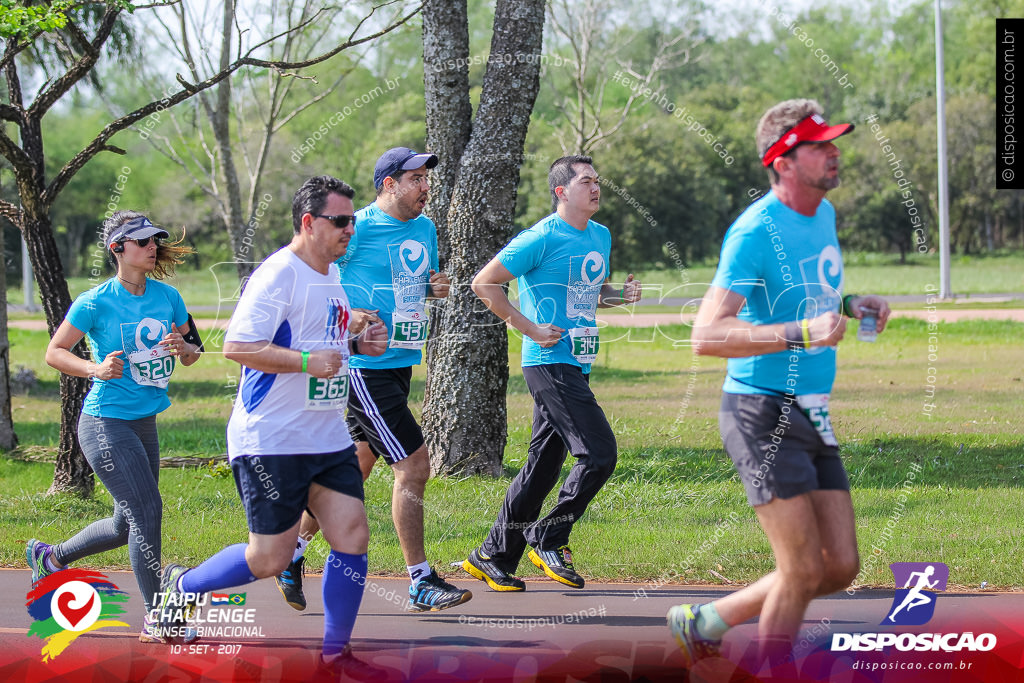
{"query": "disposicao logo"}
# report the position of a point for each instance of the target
(913, 605)
(71, 602)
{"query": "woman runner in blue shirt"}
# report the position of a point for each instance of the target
(137, 328)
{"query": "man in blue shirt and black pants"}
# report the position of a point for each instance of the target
(562, 268)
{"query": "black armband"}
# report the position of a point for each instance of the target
(192, 336)
(353, 346)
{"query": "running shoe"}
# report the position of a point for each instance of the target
(36, 553)
(484, 568)
(682, 621)
(432, 594)
(558, 565)
(346, 667)
(289, 582)
(174, 610)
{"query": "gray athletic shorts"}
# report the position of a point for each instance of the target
(776, 449)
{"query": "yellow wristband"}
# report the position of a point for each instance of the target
(806, 332)
(305, 360)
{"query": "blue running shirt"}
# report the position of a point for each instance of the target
(387, 267)
(560, 271)
(788, 267)
(114, 319)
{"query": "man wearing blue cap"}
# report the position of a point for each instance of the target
(389, 270)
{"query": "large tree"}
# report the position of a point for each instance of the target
(473, 205)
(260, 102)
(84, 31)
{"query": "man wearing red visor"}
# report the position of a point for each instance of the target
(775, 309)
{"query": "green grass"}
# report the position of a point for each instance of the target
(875, 273)
(673, 485)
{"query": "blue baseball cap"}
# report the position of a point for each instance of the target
(400, 159)
(135, 229)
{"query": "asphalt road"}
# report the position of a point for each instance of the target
(605, 632)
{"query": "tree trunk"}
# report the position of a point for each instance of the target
(8, 439)
(449, 111)
(220, 122)
(72, 472)
(464, 415)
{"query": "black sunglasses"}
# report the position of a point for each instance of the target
(340, 221)
(144, 242)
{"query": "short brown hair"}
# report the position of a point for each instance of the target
(779, 119)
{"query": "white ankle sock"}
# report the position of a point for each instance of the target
(300, 549)
(417, 572)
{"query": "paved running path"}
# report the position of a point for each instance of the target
(605, 632)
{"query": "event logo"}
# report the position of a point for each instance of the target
(413, 257)
(914, 604)
(71, 602)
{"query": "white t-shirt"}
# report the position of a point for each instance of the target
(289, 304)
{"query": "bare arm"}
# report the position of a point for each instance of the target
(488, 286)
(59, 356)
(717, 331)
(629, 294)
(274, 359)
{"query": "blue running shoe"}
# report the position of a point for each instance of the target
(432, 594)
(289, 582)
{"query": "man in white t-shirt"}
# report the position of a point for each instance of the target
(287, 440)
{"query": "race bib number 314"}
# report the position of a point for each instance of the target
(585, 343)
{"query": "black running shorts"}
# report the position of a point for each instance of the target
(776, 449)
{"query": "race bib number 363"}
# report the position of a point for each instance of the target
(327, 393)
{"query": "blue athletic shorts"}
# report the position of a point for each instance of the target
(275, 488)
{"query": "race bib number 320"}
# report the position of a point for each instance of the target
(151, 367)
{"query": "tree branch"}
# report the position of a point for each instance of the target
(11, 213)
(79, 70)
(99, 142)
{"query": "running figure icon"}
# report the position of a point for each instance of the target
(916, 598)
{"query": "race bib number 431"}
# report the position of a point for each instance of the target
(409, 330)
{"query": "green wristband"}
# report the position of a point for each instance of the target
(305, 360)
(847, 311)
